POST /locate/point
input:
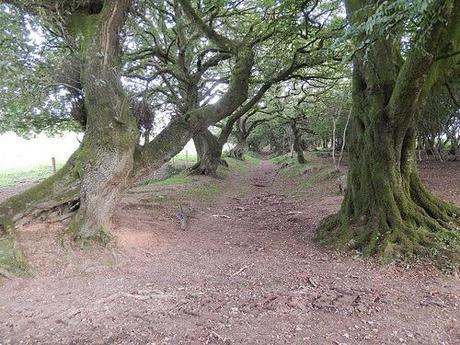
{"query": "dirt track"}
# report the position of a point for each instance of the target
(246, 271)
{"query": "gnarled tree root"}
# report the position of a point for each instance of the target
(207, 168)
(57, 194)
(421, 228)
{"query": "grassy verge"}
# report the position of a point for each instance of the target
(180, 178)
(307, 176)
(12, 177)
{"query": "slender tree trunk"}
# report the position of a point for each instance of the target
(342, 149)
(334, 126)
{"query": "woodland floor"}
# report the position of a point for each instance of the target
(245, 271)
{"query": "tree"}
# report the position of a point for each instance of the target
(289, 47)
(30, 99)
(438, 126)
(387, 211)
(244, 127)
(109, 158)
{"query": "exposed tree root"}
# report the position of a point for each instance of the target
(11, 258)
(207, 167)
(416, 226)
(57, 195)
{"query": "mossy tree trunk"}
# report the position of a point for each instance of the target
(99, 171)
(297, 142)
(387, 211)
(209, 154)
(111, 131)
(239, 149)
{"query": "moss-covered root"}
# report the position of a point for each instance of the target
(416, 236)
(207, 166)
(11, 258)
(56, 193)
(73, 234)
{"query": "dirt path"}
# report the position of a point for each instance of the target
(246, 271)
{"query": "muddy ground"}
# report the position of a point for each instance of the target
(245, 271)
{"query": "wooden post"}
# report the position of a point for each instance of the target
(186, 156)
(53, 164)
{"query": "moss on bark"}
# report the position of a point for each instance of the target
(209, 154)
(58, 193)
(387, 211)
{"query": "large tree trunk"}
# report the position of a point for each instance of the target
(387, 211)
(108, 146)
(209, 154)
(238, 151)
(297, 142)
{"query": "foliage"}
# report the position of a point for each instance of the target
(30, 99)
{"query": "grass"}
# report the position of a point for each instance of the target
(11, 177)
(206, 191)
(238, 165)
(171, 180)
(14, 176)
(190, 157)
(307, 176)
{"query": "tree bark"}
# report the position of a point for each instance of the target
(238, 151)
(297, 142)
(387, 211)
(57, 194)
(209, 154)
(111, 135)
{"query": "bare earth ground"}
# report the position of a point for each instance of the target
(246, 271)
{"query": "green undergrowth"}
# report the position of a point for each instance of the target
(204, 191)
(305, 176)
(180, 178)
(11, 259)
(236, 165)
(190, 188)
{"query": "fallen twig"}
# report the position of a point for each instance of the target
(241, 270)
(221, 216)
(259, 185)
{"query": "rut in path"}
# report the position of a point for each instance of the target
(246, 271)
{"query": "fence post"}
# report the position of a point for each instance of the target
(53, 164)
